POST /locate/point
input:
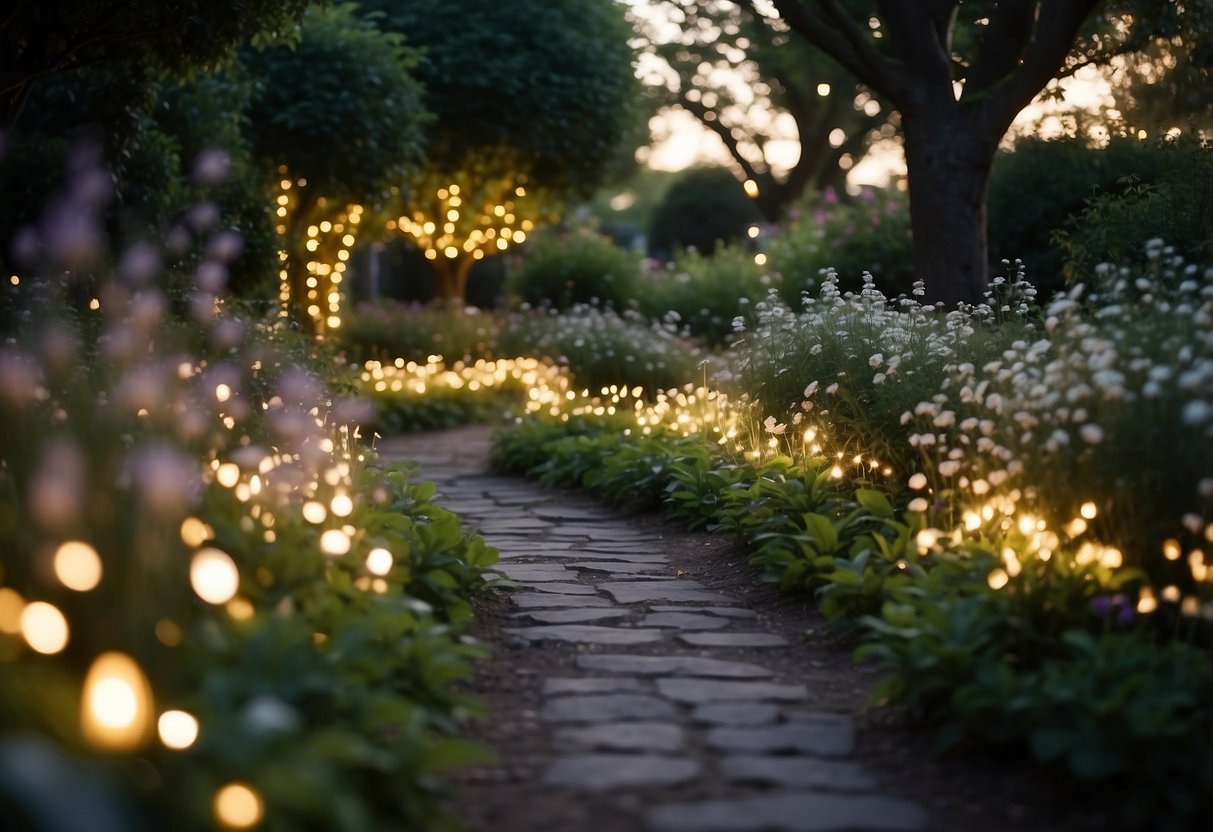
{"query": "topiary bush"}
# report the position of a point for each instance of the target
(703, 209)
(560, 269)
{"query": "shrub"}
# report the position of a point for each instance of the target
(601, 347)
(870, 233)
(563, 268)
(706, 292)
(706, 207)
(388, 330)
(1039, 185)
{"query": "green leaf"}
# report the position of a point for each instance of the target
(874, 501)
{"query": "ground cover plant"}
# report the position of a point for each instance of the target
(216, 607)
(983, 498)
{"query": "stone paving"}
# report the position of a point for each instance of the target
(686, 710)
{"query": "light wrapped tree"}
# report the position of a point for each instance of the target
(535, 103)
(339, 118)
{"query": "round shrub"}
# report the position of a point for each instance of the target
(560, 269)
(704, 208)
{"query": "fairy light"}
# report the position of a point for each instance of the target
(116, 706)
(178, 729)
(335, 542)
(11, 607)
(238, 806)
(214, 576)
(379, 561)
(77, 566)
(44, 628)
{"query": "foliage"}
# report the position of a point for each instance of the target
(40, 40)
(414, 332)
(706, 293)
(1176, 206)
(744, 77)
(187, 492)
(601, 347)
(869, 233)
(1040, 187)
(561, 269)
(536, 99)
(703, 209)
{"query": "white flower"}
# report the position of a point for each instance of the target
(1092, 434)
(1197, 412)
(774, 427)
(876, 360)
(949, 468)
(810, 390)
(918, 481)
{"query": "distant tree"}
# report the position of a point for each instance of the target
(536, 103)
(41, 38)
(702, 209)
(958, 74)
(338, 118)
(748, 79)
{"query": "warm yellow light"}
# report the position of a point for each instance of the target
(11, 607)
(178, 729)
(1147, 603)
(751, 188)
(194, 532)
(314, 512)
(214, 576)
(379, 561)
(44, 627)
(753, 231)
(228, 474)
(116, 708)
(998, 579)
(77, 565)
(222, 392)
(238, 806)
(1088, 510)
(760, 259)
(823, 89)
(341, 505)
(334, 542)
(1170, 549)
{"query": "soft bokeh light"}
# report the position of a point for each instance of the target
(238, 806)
(379, 561)
(334, 542)
(77, 565)
(214, 576)
(116, 707)
(178, 729)
(44, 627)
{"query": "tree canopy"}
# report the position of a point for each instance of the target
(41, 38)
(535, 102)
(753, 83)
(958, 74)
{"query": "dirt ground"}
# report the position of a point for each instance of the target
(966, 791)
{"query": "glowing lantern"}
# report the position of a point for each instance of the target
(116, 710)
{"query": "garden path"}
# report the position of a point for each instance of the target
(630, 696)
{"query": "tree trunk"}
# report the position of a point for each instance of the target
(451, 278)
(949, 167)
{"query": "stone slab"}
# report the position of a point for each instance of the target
(604, 772)
(618, 567)
(683, 621)
(590, 684)
(723, 612)
(732, 639)
(622, 736)
(695, 666)
(740, 714)
(791, 812)
(586, 634)
(635, 593)
(607, 707)
(533, 576)
(620, 557)
(570, 616)
(552, 600)
(699, 691)
(822, 740)
(796, 772)
(565, 589)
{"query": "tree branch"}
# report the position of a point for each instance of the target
(1002, 45)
